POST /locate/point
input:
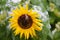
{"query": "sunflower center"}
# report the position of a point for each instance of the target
(25, 21)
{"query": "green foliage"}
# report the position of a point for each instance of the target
(57, 35)
(3, 2)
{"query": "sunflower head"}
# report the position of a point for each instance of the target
(24, 22)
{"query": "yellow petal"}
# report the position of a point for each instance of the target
(33, 31)
(16, 32)
(30, 31)
(37, 20)
(14, 12)
(37, 27)
(38, 23)
(21, 34)
(27, 34)
(12, 20)
(27, 7)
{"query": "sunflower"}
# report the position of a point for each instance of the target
(25, 21)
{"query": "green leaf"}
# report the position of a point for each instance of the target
(35, 2)
(57, 36)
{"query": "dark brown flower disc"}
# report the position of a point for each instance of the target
(25, 21)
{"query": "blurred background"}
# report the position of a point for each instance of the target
(50, 14)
